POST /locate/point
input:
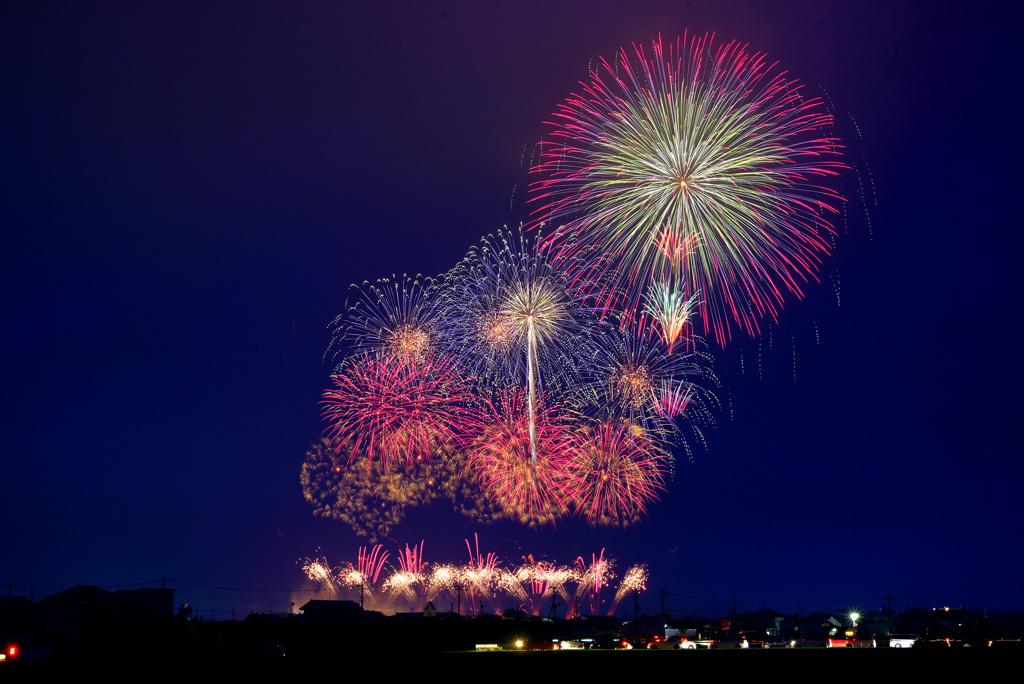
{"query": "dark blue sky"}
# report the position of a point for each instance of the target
(190, 188)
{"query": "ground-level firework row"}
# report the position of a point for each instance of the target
(485, 584)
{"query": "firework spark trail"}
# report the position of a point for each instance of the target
(559, 578)
(481, 568)
(542, 581)
(371, 562)
(484, 578)
(593, 578)
(672, 399)
(397, 412)
(476, 582)
(492, 583)
(364, 575)
(635, 580)
(320, 571)
(531, 577)
(480, 561)
(700, 165)
(411, 560)
(410, 574)
(360, 580)
(402, 584)
(442, 582)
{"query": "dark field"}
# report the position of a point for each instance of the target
(978, 664)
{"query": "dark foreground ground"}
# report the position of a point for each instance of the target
(952, 665)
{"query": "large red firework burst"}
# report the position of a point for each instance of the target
(531, 492)
(399, 412)
(615, 472)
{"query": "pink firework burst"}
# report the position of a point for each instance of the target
(696, 177)
(592, 578)
(399, 412)
(371, 562)
(533, 492)
(616, 471)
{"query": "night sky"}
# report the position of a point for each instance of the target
(189, 189)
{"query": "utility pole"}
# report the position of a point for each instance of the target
(636, 611)
(553, 613)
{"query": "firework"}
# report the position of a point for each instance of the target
(398, 412)
(671, 311)
(459, 483)
(672, 399)
(634, 581)
(593, 578)
(343, 485)
(411, 560)
(442, 581)
(321, 572)
(371, 562)
(699, 165)
(474, 327)
(362, 576)
(522, 462)
(502, 295)
(542, 580)
(615, 473)
(395, 317)
(484, 579)
(402, 583)
(410, 574)
(346, 487)
(511, 315)
(366, 573)
(632, 376)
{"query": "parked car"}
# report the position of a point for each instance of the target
(731, 642)
(671, 643)
(574, 644)
(903, 640)
(693, 643)
(810, 641)
(775, 642)
(606, 642)
(861, 641)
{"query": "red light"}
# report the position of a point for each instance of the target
(12, 651)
